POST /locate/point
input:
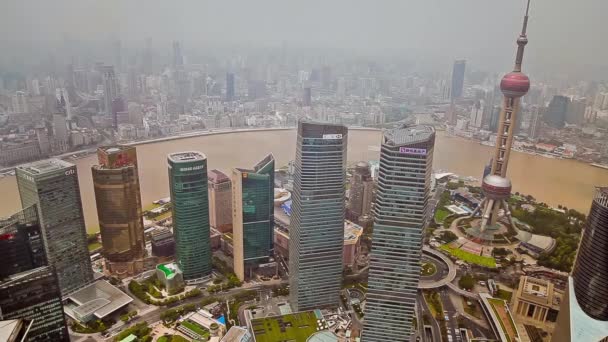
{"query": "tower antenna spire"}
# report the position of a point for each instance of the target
(522, 41)
(525, 26)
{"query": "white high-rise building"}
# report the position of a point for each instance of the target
(401, 212)
(19, 102)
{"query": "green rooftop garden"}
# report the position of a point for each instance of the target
(500, 310)
(292, 327)
(195, 328)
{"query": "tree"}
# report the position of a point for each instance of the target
(466, 282)
(448, 237)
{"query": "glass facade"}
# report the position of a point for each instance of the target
(28, 287)
(401, 212)
(253, 221)
(21, 247)
(590, 272)
(317, 221)
(190, 205)
(118, 200)
(53, 185)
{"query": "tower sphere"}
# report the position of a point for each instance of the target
(522, 40)
(496, 187)
(515, 84)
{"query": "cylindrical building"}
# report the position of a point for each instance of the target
(116, 184)
(590, 272)
(190, 205)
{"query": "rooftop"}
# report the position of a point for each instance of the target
(408, 135)
(235, 334)
(217, 176)
(539, 291)
(115, 148)
(352, 232)
(170, 270)
(186, 157)
(99, 299)
(44, 166)
(10, 329)
(293, 327)
(161, 234)
(500, 315)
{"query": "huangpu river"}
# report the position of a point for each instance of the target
(554, 181)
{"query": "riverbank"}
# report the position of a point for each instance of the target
(86, 152)
(553, 181)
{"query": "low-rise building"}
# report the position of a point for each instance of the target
(95, 301)
(163, 243)
(170, 276)
(536, 302)
(237, 334)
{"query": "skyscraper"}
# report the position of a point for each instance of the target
(583, 315)
(190, 205)
(178, 58)
(253, 220)
(35, 295)
(496, 187)
(28, 287)
(110, 88)
(361, 192)
(458, 78)
(306, 97)
(401, 213)
(317, 221)
(494, 119)
(256, 89)
(229, 86)
(476, 118)
(53, 185)
(220, 201)
(116, 184)
(556, 112)
(535, 122)
(576, 111)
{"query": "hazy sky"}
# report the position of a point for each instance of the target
(564, 34)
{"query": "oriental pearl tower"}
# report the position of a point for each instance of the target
(496, 186)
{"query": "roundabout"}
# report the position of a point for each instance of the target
(436, 270)
(427, 269)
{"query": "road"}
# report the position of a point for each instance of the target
(424, 310)
(431, 283)
(450, 313)
(453, 313)
(152, 313)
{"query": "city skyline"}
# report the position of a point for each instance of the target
(454, 32)
(230, 172)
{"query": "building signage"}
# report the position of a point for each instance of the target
(332, 136)
(70, 172)
(412, 150)
(192, 168)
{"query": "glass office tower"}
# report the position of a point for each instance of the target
(401, 212)
(317, 221)
(190, 205)
(53, 185)
(28, 287)
(253, 216)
